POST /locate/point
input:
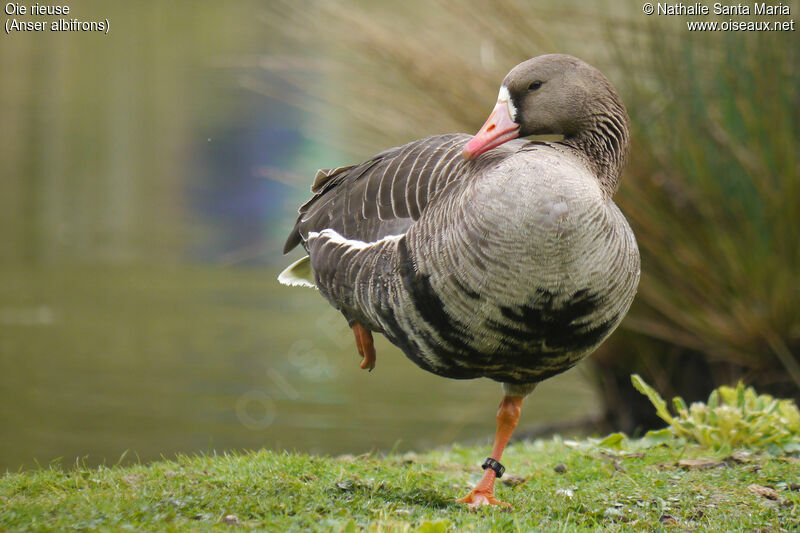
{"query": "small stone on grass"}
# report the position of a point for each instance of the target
(512, 480)
(346, 485)
(231, 520)
(615, 514)
(667, 519)
(740, 457)
(568, 493)
(132, 479)
(701, 463)
(766, 492)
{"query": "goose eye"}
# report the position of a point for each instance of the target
(535, 85)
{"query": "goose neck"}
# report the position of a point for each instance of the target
(604, 141)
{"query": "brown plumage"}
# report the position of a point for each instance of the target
(486, 256)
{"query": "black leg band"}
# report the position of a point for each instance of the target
(494, 465)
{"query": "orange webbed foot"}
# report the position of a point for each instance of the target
(483, 493)
(365, 346)
(478, 498)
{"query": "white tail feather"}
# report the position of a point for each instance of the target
(298, 274)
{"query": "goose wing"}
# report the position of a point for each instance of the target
(383, 195)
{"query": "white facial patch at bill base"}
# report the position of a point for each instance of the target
(504, 96)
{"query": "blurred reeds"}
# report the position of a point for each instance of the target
(713, 195)
(712, 189)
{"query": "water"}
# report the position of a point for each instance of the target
(146, 186)
(97, 362)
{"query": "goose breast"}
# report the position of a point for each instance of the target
(531, 255)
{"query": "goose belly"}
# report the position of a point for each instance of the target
(512, 343)
(523, 297)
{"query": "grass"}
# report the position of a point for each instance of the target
(661, 482)
(635, 488)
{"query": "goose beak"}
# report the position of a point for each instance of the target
(498, 129)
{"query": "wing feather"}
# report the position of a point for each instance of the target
(385, 194)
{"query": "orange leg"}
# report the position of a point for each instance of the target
(365, 346)
(507, 418)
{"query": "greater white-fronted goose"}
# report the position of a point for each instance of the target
(485, 256)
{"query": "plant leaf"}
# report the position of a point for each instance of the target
(654, 397)
(657, 437)
(615, 441)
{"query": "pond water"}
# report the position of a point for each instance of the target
(96, 362)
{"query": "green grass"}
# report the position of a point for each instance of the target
(601, 489)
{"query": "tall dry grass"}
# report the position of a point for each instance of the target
(712, 189)
(713, 194)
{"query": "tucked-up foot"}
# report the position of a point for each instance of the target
(365, 346)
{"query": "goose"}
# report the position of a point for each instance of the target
(488, 255)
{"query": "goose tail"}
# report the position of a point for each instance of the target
(298, 274)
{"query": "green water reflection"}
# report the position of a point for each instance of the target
(157, 361)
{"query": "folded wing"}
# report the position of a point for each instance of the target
(383, 195)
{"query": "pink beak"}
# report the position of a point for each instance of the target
(499, 128)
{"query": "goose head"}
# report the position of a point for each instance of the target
(553, 94)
